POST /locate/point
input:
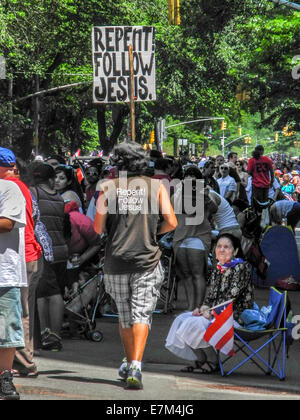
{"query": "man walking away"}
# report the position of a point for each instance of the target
(261, 169)
(12, 278)
(129, 210)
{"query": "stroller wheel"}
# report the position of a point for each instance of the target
(96, 336)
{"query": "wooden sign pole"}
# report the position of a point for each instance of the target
(132, 105)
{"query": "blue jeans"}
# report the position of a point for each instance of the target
(11, 328)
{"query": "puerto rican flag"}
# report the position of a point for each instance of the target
(77, 154)
(220, 333)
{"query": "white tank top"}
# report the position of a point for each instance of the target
(225, 217)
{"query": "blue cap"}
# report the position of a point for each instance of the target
(7, 158)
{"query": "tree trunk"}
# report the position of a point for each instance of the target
(107, 144)
(103, 140)
(123, 111)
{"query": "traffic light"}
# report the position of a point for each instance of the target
(276, 137)
(242, 94)
(247, 140)
(239, 92)
(152, 137)
(240, 130)
(285, 131)
(246, 95)
(223, 125)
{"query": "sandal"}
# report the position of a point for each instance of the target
(207, 368)
(204, 368)
(191, 368)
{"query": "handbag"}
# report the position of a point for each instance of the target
(40, 231)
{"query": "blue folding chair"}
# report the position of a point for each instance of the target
(274, 337)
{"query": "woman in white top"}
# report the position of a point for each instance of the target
(224, 219)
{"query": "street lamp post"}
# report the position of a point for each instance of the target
(10, 95)
(194, 121)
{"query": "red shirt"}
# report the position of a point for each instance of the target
(260, 171)
(33, 250)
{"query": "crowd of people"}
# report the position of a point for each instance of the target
(53, 216)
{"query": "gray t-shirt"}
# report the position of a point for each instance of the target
(12, 244)
(132, 225)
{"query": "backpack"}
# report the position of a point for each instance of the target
(40, 231)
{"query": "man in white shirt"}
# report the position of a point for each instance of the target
(227, 184)
(12, 278)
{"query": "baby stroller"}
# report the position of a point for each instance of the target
(81, 307)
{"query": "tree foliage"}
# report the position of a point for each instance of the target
(219, 45)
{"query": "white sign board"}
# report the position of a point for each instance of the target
(182, 142)
(110, 46)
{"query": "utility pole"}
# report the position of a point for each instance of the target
(223, 144)
(10, 95)
(132, 105)
(11, 114)
(36, 116)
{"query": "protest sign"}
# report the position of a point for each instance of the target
(111, 63)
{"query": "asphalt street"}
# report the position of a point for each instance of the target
(85, 370)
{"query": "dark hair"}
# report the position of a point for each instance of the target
(70, 175)
(156, 154)
(231, 154)
(193, 171)
(208, 163)
(241, 162)
(59, 159)
(236, 243)
(130, 157)
(97, 163)
(162, 164)
(190, 191)
(258, 151)
(23, 170)
(40, 172)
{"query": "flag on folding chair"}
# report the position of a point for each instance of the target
(220, 333)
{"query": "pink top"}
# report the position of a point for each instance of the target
(83, 233)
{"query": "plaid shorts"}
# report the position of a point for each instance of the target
(135, 295)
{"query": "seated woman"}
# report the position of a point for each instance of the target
(232, 279)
